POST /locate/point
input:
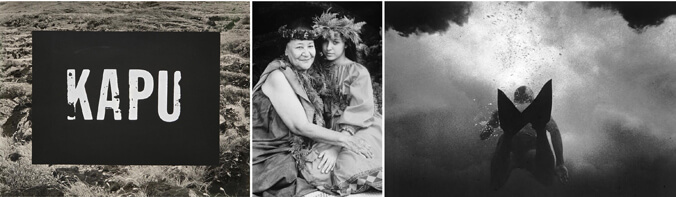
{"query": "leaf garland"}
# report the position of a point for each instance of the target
(299, 34)
(328, 25)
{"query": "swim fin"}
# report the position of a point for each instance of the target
(538, 113)
(511, 120)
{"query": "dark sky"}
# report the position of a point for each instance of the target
(435, 17)
(427, 17)
(639, 15)
(614, 94)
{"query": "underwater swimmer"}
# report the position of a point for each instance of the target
(527, 146)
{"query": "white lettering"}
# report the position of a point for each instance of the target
(76, 92)
(134, 94)
(162, 97)
(109, 81)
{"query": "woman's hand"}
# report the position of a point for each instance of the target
(356, 145)
(328, 157)
(562, 173)
(486, 132)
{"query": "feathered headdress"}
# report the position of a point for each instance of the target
(300, 34)
(328, 25)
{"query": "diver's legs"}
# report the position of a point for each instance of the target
(501, 163)
(544, 159)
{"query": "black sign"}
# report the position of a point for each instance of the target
(120, 98)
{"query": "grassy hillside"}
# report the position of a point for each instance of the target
(19, 177)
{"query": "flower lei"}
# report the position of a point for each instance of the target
(300, 34)
(300, 145)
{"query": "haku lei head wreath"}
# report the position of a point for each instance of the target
(297, 33)
(328, 25)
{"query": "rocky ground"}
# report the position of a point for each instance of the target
(18, 177)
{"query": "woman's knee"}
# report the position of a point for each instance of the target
(313, 174)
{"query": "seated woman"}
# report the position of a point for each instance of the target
(287, 119)
(350, 109)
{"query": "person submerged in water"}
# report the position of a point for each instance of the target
(526, 149)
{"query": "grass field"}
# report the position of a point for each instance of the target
(18, 177)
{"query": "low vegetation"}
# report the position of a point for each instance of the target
(18, 177)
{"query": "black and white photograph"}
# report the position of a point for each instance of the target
(111, 135)
(317, 124)
(530, 98)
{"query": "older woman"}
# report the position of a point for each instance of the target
(350, 109)
(287, 119)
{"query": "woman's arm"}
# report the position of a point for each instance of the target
(556, 141)
(560, 169)
(290, 110)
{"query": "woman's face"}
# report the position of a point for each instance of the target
(301, 53)
(334, 48)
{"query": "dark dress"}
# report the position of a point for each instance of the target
(275, 148)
